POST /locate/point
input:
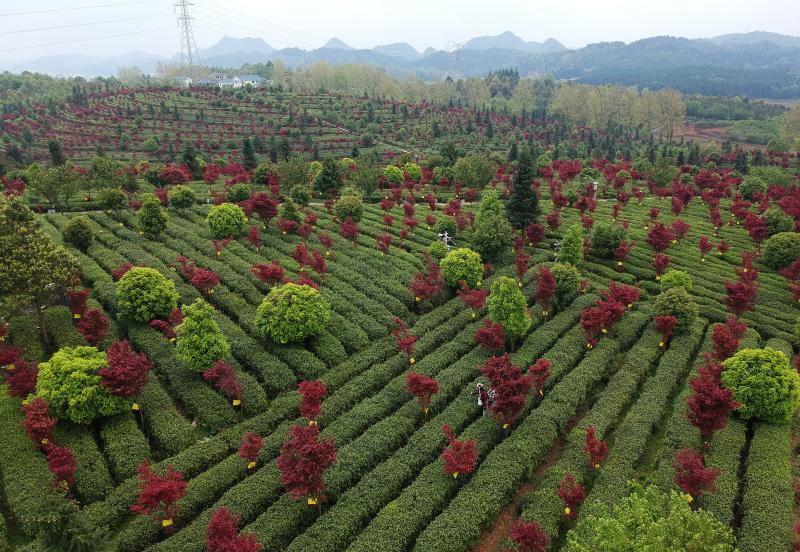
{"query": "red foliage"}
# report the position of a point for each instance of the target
(127, 372)
(93, 326)
(318, 264)
(222, 534)
(472, 298)
(571, 494)
(553, 220)
(460, 456)
(510, 386)
(120, 271)
(600, 318)
(388, 220)
(404, 340)
(490, 335)
(660, 237)
(710, 404)
(22, 380)
(263, 205)
(545, 288)
(159, 494)
(540, 373)
(270, 274)
(724, 342)
(61, 463)
(521, 261)
(37, 423)
(348, 229)
(680, 229)
(223, 377)
(286, 225)
(622, 251)
(9, 355)
(665, 325)
(250, 446)
(303, 460)
(660, 263)
(253, 237)
(704, 244)
(529, 537)
(204, 280)
(595, 448)
(756, 226)
(654, 214)
(741, 296)
(691, 475)
(300, 255)
(422, 387)
(425, 286)
(723, 247)
(173, 174)
(621, 293)
(383, 242)
(218, 245)
(311, 404)
(534, 233)
(76, 299)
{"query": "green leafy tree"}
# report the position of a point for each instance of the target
(413, 170)
(523, 204)
(78, 232)
(70, 383)
(226, 220)
(349, 206)
(606, 237)
(651, 520)
(473, 171)
(572, 246)
(248, 154)
(393, 174)
(200, 341)
(778, 221)
(300, 194)
(34, 270)
(57, 185)
(151, 218)
(763, 383)
(293, 171)
(781, 250)
(144, 294)
(292, 312)
(181, 197)
(189, 158)
(676, 302)
(492, 232)
(462, 264)
(507, 307)
(751, 185)
(329, 178)
(568, 281)
(238, 192)
(105, 173)
(365, 178)
(674, 278)
(288, 210)
(57, 156)
(112, 199)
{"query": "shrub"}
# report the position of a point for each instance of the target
(568, 280)
(392, 174)
(200, 341)
(437, 250)
(226, 220)
(262, 173)
(70, 382)
(507, 306)
(572, 246)
(151, 218)
(112, 199)
(473, 171)
(144, 294)
(182, 197)
(349, 206)
(446, 224)
(778, 221)
(652, 520)
(238, 192)
(781, 250)
(78, 232)
(606, 237)
(292, 312)
(676, 302)
(492, 232)
(676, 278)
(763, 383)
(752, 185)
(462, 264)
(300, 194)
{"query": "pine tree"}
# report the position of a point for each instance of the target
(248, 155)
(523, 205)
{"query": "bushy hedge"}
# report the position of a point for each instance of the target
(124, 445)
(144, 294)
(92, 480)
(781, 250)
(226, 220)
(292, 312)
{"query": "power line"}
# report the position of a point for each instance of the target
(32, 12)
(83, 24)
(84, 39)
(264, 22)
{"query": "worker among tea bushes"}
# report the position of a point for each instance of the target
(483, 398)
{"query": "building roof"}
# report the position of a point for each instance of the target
(250, 78)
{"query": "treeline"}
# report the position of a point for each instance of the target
(718, 108)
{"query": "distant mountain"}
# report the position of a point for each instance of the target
(742, 39)
(510, 41)
(228, 45)
(429, 51)
(336, 44)
(87, 66)
(400, 50)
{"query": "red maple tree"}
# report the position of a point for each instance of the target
(540, 373)
(204, 280)
(529, 537)
(621, 293)
(490, 335)
(459, 456)
(311, 404)
(253, 237)
(22, 380)
(76, 300)
(426, 285)
(383, 242)
(349, 230)
(511, 388)
(521, 262)
(222, 534)
(250, 448)
(660, 263)
(704, 244)
(665, 325)
(545, 288)
(93, 326)
(680, 228)
(61, 463)
(709, 404)
(403, 339)
(472, 298)
(595, 448)
(127, 372)
(37, 423)
(691, 475)
(269, 273)
(622, 251)
(423, 388)
(120, 271)
(159, 494)
(534, 233)
(571, 494)
(660, 237)
(223, 377)
(302, 463)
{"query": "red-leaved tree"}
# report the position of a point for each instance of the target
(253, 237)
(423, 388)
(223, 377)
(622, 251)
(511, 388)
(93, 326)
(691, 474)
(490, 335)
(622, 294)
(250, 448)
(61, 463)
(22, 380)
(660, 237)
(159, 494)
(709, 405)
(594, 447)
(472, 298)
(705, 247)
(660, 263)
(127, 372)
(571, 494)
(665, 325)
(540, 373)
(76, 299)
(403, 339)
(529, 537)
(459, 456)
(303, 461)
(311, 404)
(37, 423)
(426, 285)
(271, 274)
(545, 288)
(222, 534)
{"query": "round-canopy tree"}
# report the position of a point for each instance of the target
(507, 306)
(78, 232)
(763, 383)
(676, 302)
(71, 383)
(292, 312)
(781, 250)
(462, 264)
(226, 220)
(200, 341)
(144, 294)
(181, 197)
(151, 218)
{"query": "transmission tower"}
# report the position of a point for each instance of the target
(190, 59)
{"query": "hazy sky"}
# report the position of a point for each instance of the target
(149, 25)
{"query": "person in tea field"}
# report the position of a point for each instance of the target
(484, 398)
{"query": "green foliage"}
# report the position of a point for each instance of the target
(606, 237)
(365, 178)
(764, 384)
(781, 250)
(112, 199)
(262, 173)
(329, 178)
(492, 232)
(751, 185)
(144, 294)
(674, 278)
(238, 192)
(572, 246)
(349, 206)
(676, 302)
(414, 171)
(181, 197)
(292, 312)
(772, 175)
(57, 184)
(568, 280)
(778, 221)
(507, 307)
(446, 224)
(462, 264)
(78, 232)
(437, 250)
(70, 383)
(300, 194)
(226, 220)
(650, 520)
(151, 218)
(288, 210)
(293, 171)
(393, 174)
(200, 341)
(523, 204)
(473, 171)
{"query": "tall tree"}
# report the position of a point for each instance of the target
(248, 155)
(523, 204)
(57, 157)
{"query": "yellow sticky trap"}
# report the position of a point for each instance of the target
(619, 263)
(11, 367)
(45, 441)
(544, 313)
(411, 360)
(519, 284)
(455, 475)
(141, 233)
(702, 259)
(658, 278)
(211, 291)
(630, 305)
(473, 314)
(674, 242)
(660, 343)
(76, 315)
(541, 392)
(425, 411)
(567, 511)
(135, 406)
(605, 331)
(417, 298)
(588, 345)
(479, 283)
(505, 426)
(236, 402)
(2, 338)
(328, 253)
(284, 232)
(312, 501)
(26, 402)
(596, 466)
(120, 225)
(251, 465)
(166, 523)
(689, 498)
(172, 340)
